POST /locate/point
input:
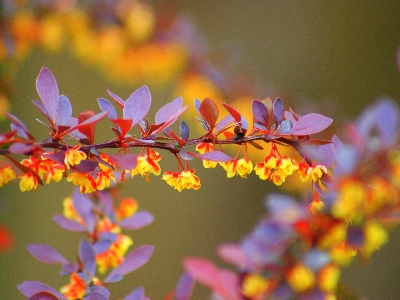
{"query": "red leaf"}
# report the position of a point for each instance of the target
(209, 111)
(201, 270)
(47, 89)
(117, 99)
(124, 124)
(6, 239)
(137, 105)
(89, 129)
(91, 120)
(234, 113)
(310, 124)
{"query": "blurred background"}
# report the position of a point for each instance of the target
(330, 57)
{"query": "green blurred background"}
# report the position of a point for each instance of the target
(340, 55)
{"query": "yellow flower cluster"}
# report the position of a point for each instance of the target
(185, 180)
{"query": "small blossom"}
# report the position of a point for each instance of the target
(300, 278)
(28, 182)
(55, 173)
(271, 161)
(287, 165)
(85, 181)
(316, 172)
(375, 237)
(244, 167)
(328, 278)
(114, 256)
(278, 177)
(187, 180)
(73, 156)
(171, 178)
(254, 286)
(303, 171)
(76, 289)
(230, 167)
(204, 148)
(342, 254)
(147, 163)
(127, 208)
(262, 171)
(103, 180)
(6, 174)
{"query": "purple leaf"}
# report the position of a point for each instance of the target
(310, 124)
(388, 121)
(117, 99)
(85, 166)
(224, 123)
(138, 220)
(68, 224)
(30, 288)
(20, 148)
(126, 161)
(101, 246)
(83, 207)
(278, 111)
(168, 111)
(88, 257)
(95, 296)
(137, 294)
(233, 254)
(106, 105)
(64, 110)
(260, 113)
(285, 126)
(107, 201)
(184, 130)
(46, 254)
(185, 155)
(69, 268)
(133, 261)
(47, 89)
(137, 105)
(19, 126)
(57, 157)
(39, 105)
(217, 156)
(185, 287)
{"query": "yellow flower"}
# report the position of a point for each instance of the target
(300, 278)
(262, 171)
(187, 180)
(103, 180)
(342, 254)
(375, 237)
(55, 173)
(303, 171)
(316, 172)
(6, 174)
(28, 182)
(229, 167)
(126, 208)
(328, 278)
(113, 257)
(85, 181)
(271, 161)
(254, 286)
(73, 156)
(244, 167)
(171, 178)
(349, 200)
(278, 177)
(203, 148)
